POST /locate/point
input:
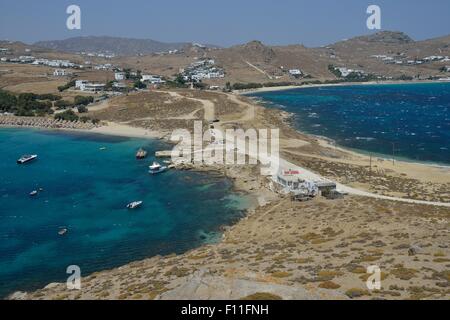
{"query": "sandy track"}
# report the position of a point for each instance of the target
(208, 106)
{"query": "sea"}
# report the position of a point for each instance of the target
(406, 121)
(85, 182)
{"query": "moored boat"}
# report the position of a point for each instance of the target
(62, 231)
(33, 193)
(26, 158)
(135, 204)
(141, 154)
(156, 168)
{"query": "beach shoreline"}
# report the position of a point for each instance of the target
(340, 84)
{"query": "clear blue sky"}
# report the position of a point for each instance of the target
(223, 22)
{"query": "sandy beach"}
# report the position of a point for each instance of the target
(368, 83)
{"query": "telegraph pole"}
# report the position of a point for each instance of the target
(393, 153)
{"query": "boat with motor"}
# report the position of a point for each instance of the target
(33, 193)
(135, 204)
(62, 231)
(141, 154)
(156, 168)
(26, 158)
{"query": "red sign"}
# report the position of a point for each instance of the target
(290, 172)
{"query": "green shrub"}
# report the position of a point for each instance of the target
(66, 86)
(68, 115)
(82, 100)
(82, 109)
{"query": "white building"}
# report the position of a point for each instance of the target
(60, 63)
(119, 86)
(119, 76)
(93, 87)
(106, 66)
(295, 72)
(291, 181)
(433, 58)
(26, 59)
(152, 79)
(344, 71)
(59, 73)
(79, 84)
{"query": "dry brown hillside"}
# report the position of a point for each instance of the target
(258, 62)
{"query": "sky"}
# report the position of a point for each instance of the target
(222, 22)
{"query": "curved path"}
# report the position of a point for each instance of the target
(208, 106)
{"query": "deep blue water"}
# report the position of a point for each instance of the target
(86, 190)
(414, 119)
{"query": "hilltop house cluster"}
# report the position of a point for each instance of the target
(119, 84)
(54, 63)
(402, 59)
(144, 78)
(39, 61)
(99, 55)
(202, 69)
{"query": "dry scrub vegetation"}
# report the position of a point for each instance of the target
(321, 244)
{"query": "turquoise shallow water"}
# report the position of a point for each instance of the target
(412, 119)
(86, 190)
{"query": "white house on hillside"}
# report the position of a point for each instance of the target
(119, 76)
(84, 85)
(79, 84)
(152, 79)
(295, 72)
(59, 73)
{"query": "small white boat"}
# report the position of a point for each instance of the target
(102, 149)
(62, 231)
(135, 204)
(26, 158)
(156, 168)
(33, 193)
(141, 154)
